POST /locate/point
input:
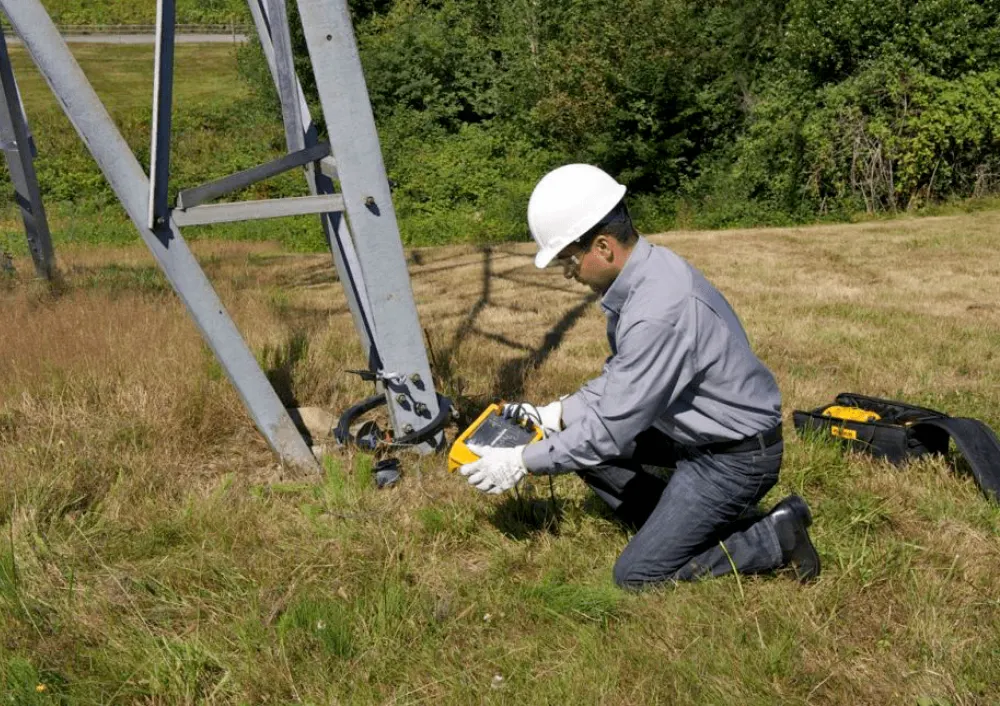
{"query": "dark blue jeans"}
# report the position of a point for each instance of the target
(703, 521)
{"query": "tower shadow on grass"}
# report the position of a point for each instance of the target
(447, 379)
(512, 374)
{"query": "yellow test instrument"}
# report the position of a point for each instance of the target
(491, 429)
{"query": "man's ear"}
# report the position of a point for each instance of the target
(604, 249)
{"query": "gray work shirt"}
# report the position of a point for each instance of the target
(680, 362)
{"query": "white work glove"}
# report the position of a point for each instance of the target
(549, 417)
(497, 470)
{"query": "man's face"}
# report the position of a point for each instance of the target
(586, 265)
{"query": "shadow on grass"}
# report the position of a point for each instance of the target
(279, 363)
(593, 505)
(310, 277)
(512, 375)
(521, 515)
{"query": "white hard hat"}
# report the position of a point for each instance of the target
(566, 203)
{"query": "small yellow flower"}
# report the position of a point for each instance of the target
(40, 688)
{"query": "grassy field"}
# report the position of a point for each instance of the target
(152, 552)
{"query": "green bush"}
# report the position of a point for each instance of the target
(895, 137)
(861, 106)
(890, 137)
(469, 186)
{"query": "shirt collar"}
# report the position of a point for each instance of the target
(617, 293)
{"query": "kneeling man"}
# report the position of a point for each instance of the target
(681, 389)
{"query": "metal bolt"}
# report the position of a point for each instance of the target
(400, 398)
(407, 428)
(420, 408)
(415, 379)
(329, 37)
(370, 201)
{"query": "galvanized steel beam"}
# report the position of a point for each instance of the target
(197, 195)
(18, 148)
(285, 78)
(255, 210)
(344, 96)
(338, 236)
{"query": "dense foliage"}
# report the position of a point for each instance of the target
(714, 112)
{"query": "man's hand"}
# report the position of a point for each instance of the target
(549, 417)
(497, 470)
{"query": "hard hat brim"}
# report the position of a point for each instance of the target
(545, 257)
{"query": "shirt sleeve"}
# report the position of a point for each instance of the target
(655, 362)
(574, 406)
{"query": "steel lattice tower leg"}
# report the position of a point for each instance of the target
(354, 141)
(129, 182)
(371, 264)
(18, 148)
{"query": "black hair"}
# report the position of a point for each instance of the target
(617, 224)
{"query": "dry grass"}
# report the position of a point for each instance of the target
(151, 552)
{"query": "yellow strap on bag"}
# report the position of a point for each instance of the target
(853, 414)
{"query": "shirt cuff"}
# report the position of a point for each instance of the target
(536, 457)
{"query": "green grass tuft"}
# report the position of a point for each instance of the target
(317, 624)
(576, 602)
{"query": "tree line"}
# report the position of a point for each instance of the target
(713, 112)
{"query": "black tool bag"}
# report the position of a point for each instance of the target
(904, 431)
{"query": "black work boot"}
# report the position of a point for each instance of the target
(790, 518)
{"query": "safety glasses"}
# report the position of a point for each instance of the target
(569, 262)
